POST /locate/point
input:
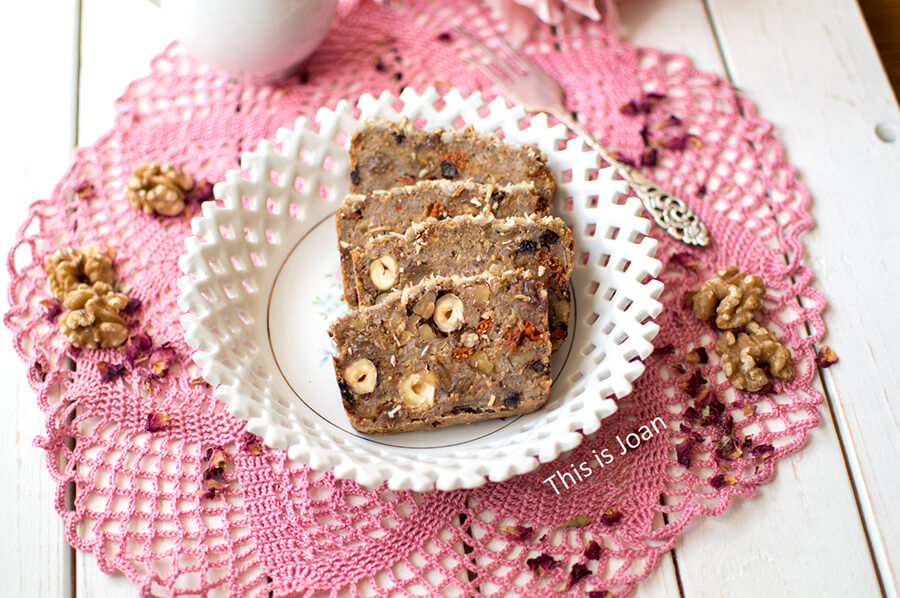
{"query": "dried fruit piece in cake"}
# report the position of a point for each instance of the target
(385, 154)
(362, 217)
(469, 245)
(438, 354)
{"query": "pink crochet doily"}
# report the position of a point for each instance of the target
(137, 499)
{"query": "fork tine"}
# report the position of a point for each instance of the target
(500, 81)
(517, 58)
(496, 60)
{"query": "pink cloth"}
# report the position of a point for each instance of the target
(281, 527)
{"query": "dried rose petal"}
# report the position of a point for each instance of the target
(579, 571)
(717, 481)
(599, 594)
(593, 551)
(110, 371)
(749, 410)
(672, 121)
(133, 305)
(214, 485)
(694, 384)
(684, 258)
(517, 533)
(577, 521)
(683, 451)
(645, 136)
(157, 422)
(676, 144)
(631, 108)
(698, 355)
(826, 357)
(202, 191)
(137, 347)
(53, 307)
(619, 157)
(216, 458)
(160, 361)
(763, 451)
(664, 351)
(38, 371)
(650, 157)
(199, 381)
(541, 564)
(691, 414)
(611, 517)
(701, 191)
(251, 443)
(728, 449)
(86, 190)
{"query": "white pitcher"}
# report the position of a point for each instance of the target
(257, 41)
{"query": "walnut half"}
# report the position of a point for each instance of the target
(70, 268)
(158, 188)
(744, 354)
(732, 296)
(94, 320)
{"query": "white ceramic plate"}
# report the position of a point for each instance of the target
(262, 282)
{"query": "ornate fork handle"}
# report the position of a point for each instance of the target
(667, 210)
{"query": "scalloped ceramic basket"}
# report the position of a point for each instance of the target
(262, 283)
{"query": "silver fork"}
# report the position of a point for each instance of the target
(526, 83)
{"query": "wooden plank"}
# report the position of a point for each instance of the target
(672, 26)
(39, 108)
(118, 41)
(743, 552)
(811, 67)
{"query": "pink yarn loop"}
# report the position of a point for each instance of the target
(283, 528)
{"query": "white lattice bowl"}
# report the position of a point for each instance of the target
(261, 283)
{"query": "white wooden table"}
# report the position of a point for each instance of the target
(826, 526)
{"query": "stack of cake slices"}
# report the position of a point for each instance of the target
(457, 276)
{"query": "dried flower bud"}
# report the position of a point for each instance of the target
(110, 371)
(578, 572)
(157, 422)
(251, 443)
(517, 533)
(160, 360)
(826, 357)
(593, 551)
(541, 564)
(611, 517)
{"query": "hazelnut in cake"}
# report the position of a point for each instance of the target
(466, 246)
(362, 217)
(446, 351)
(385, 154)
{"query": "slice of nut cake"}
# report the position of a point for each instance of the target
(362, 217)
(447, 351)
(385, 154)
(469, 245)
